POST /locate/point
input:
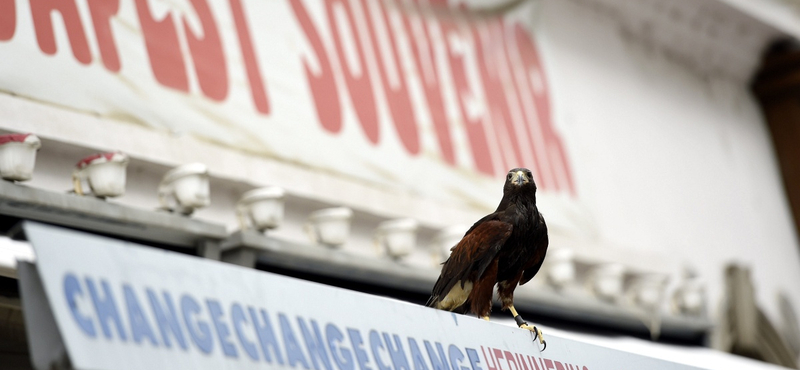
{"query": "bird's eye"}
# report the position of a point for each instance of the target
(509, 176)
(530, 175)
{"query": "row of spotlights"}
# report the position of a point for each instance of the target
(182, 190)
(607, 282)
(186, 188)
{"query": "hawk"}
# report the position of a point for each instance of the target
(505, 248)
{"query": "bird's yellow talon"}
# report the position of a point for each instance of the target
(536, 332)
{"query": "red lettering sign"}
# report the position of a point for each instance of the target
(425, 61)
(207, 54)
(257, 89)
(490, 366)
(457, 53)
(501, 94)
(41, 12)
(354, 66)
(537, 83)
(392, 76)
(322, 83)
(489, 53)
(163, 48)
(102, 11)
(8, 19)
(519, 361)
(166, 59)
(511, 360)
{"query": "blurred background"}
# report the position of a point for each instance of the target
(353, 142)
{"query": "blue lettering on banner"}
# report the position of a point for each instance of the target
(341, 356)
(375, 343)
(166, 319)
(266, 337)
(293, 351)
(439, 362)
(222, 330)
(314, 344)
(236, 328)
(106, 309)
(474, 359)
(416, 355)
(72, 289)
(456, 357)
(140, 327)
(361, 353)
(238, 317)
(396, 353)
(201, 335)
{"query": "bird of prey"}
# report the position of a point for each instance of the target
(506, 248)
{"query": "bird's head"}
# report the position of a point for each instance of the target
(518, 179)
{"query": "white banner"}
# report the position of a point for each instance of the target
(413, 93)
(121, 306)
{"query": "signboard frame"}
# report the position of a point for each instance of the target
(86, 308)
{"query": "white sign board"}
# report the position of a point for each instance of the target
(122, 306)
(348, 86)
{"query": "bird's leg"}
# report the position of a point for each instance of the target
(522, 324)
(485, 317)
(505, 290)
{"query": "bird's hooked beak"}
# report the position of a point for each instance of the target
(518, 178)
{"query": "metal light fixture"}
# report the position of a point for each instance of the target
(647, 290)
(261, 208)
(561, 268)
(18, 156)
(185, 188)
(329, 226)
(689, 298)
(104, 172)
(397, 238)
(606, 281)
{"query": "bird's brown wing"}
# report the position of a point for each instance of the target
(471, 256)
(540, 242)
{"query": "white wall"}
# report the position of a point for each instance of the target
(668, 157)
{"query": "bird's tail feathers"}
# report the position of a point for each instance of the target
(433, 301)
